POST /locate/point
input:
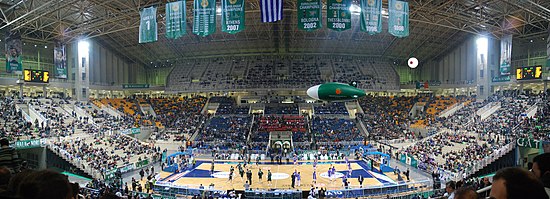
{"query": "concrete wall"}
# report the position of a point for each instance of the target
(458, 65)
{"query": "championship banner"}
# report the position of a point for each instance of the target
(371, 16)
(309, 15)
(398, 22)
(204, 17)
(60, 60)
(14, 53)
(148, 25)
(338, 14)
(233, 16)
(505, 54)
(175, 20)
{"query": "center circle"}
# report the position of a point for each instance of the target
(335, 175)
(223, 174)
(279, 176)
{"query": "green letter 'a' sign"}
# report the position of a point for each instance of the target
(338, 14)
(148, 25)
(175, 19)
(204, 17)
(398, 23)
(232, 16)
(309, 14)
(371, 16)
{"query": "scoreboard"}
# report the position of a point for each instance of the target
(37, 76)
(529, 72)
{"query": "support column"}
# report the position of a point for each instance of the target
(20, 90)
(521, 88)
(545, 86)
(44, 91)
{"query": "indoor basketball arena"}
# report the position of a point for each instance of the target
(274, 99)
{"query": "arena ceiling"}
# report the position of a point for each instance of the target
(436, 26)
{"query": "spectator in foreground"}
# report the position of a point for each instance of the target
(516, 183)
(8, 156)
(45, 184)
(466, 193)
(541, 169)
(450, 189)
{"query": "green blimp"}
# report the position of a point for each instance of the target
(334, 91)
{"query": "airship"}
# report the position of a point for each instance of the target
(335, 91)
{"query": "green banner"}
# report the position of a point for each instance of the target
(233, 16)
(398, 22)
(501, 78)
(309, 14)
(338, 14)
(127, 86)
(148, 25)
(371, 16)
(27, 144)
(142, 163)
(175, 20)
(60, 60)
(529, 143)
(131, 131)
(14, 52)
(505, 54)
(204, 17)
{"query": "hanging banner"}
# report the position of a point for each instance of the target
(371, 16)
(338, 14)
(232, 16)
(548, 52)
(175, 20)
(271, 10)
(204, 17)
(14, 53)
(148, 25)
(60, 60)
(309, 15)
(398, 22)
(505, 54)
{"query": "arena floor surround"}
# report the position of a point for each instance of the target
(281, 175)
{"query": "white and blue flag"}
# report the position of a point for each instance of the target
(272, 10)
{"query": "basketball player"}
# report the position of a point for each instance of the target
(329, 172)
(241, 173)
(315, 163)
(212, 168)
(295, 160)
(298, 179)
(230, 175)
(269, 177)
(260, 174)
(314, 176)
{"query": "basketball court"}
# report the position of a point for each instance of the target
(281, 175)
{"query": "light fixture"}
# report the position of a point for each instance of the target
(482, 44)
(83, 48)
(355, 9)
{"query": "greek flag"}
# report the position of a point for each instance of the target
(272, 10)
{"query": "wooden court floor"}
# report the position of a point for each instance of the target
(201, 175)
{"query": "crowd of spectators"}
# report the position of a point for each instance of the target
(227, 105)
(387, 118)
(225, 132)
(334, 130)
(106, 151)
(183, 114)
(292, 123)
(332, 108)
(281, 109)
(281, 72)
